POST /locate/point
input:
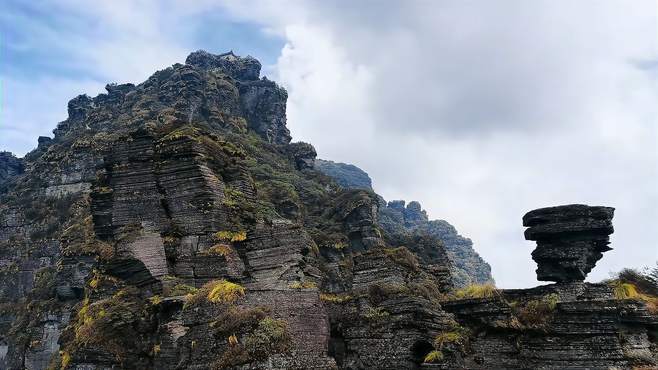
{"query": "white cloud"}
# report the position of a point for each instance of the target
(480, 110)
(483, 111)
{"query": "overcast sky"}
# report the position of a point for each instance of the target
(480, 110)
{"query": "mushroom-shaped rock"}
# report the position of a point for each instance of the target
(570, 240)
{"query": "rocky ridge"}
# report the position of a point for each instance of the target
(172, 225)
(467, 265)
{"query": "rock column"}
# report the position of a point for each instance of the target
(570, 240)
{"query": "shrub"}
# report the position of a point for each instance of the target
(233, 236)
(224, 292)
(180, 290)
(219, 250)
(646, 281)
(537, 312)
(270, 337)
(623, 290)
(335, 298)
(303, 285)
(457, 337)
(433, 357)
(377, 293)
(66, 359)
(477, 291)
(237, 318)
(216, 291)
(376, 314)
(403, 256)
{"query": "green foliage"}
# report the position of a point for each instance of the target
(108, 323)
(270, 336)
(378, 314)
(623, 290)
(237, 319)
(216, 291)
(645, 281)
(455, 337)
(303, 285)
(378, 293)
(180, 290)
(537, 312)
(335, 298)
(223, 291)
(80, 239)
(233, 236)
(433, 357)
(477, 291)
(404, 257)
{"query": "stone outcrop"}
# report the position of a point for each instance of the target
(397, 217)
(10, 166)
(346, 175)
(467, 267)
(172, 225)
(117, 233)
(570, 240)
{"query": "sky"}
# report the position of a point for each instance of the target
(480, 110)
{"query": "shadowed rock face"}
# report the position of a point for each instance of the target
(570, 240)
(9, 166)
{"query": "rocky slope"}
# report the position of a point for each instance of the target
(172, 225)
(467, 265)
(346, 175)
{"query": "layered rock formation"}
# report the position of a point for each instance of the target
(10, 166)
(346, 175)
(467, 266)
(570, 240)
(172, 225)
(396, 217)
(569, 325)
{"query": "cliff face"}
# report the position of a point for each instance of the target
(172, 225)
(466, 264)
(346, 175)
(10, 167)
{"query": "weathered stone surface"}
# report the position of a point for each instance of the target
(467, 267)
(172, 225)
(347, 175)
(570, 240)
(10, 166)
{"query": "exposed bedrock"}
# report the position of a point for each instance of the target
(570, 240)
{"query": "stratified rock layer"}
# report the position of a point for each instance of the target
(570, 240)
(467, 267)
(172, 225)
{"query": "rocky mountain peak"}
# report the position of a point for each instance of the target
(240, 68)
(172, 225)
